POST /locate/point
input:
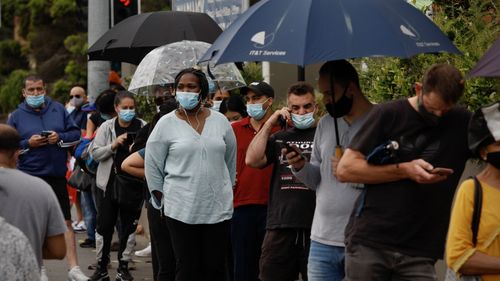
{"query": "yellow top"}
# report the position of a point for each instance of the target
(459, 246)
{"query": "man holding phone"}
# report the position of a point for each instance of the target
(291, 204)
(398, 228)
(43, 123)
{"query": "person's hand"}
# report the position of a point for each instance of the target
(119, 141)
(37, 141)
(294, 159)
(418, 170)
(53, 138)
(158, 195)
(274, 119)
(335, 162)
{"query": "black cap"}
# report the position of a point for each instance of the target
(484, 127)
(260, 88)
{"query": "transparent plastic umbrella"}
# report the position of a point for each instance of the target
(160, 66)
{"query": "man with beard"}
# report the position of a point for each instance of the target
(334, 199)
(399, 226)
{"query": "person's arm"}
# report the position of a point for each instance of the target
(353, 167)
(230, 155)
(256, 152)
(54, 247)
(134, 165)
(155, 160)
(91, 127)
(70, 133)
(480, 263)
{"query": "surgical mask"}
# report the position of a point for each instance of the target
(256, 110)
(105, 116)
(77, 102)
(341, 107)
(493, 158)
(35, 101)
(216, 105)
(127, 114)
(429, 118)
(70, 108)
(187, 100)
(303, 122)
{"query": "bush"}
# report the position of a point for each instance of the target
(10, 91)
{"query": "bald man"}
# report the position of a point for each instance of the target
(77, 98)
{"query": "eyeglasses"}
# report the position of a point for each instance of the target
(75, 96)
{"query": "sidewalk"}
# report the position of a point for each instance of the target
(57, 270)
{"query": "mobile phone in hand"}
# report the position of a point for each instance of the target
(441, 171)
(45, 134)
(290, 148)
(131, 137)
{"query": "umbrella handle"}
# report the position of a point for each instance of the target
(338, 151)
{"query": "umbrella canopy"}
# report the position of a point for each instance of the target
(131, 39)
(162, 64)
(489, 64)
(311, 31)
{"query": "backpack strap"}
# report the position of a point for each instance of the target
(476, 214)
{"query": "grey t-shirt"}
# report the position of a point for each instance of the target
(17, 261)
(334, 200)
(28, 203)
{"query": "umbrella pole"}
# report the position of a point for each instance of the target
(338, 148)
(301, 73)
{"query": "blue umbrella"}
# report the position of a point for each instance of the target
(311, 31)
(489, 64)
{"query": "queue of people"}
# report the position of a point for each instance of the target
(237, 191)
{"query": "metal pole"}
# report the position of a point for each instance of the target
(301, 73)
(98, 24)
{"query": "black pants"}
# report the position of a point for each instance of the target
(200, 250)
(248, 228)
(108, 212)
(162, 253)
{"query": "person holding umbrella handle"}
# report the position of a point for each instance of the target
(334, 199)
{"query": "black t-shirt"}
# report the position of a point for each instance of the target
(122, 151)
(97, 119)
(405, 216)
(291, 203)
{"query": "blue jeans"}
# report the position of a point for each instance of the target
(89, 213)
(326, 263)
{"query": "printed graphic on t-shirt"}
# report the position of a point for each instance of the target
(287, 180)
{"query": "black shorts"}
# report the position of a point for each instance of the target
(284, 254)
(59, 187)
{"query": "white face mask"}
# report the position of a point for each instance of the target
(216, 105)
(76, 101)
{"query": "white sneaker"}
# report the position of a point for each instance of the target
(43, 274)
(76, 274)
(146, 252)
(80, 227)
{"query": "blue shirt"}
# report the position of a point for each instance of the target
(194, 172)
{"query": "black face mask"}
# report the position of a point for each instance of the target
(341, 107)
(429, 118)
(493, 158)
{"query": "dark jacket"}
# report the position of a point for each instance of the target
(49, 160)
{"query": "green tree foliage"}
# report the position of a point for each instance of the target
(473, 29)
(17, 60)
(10, 92)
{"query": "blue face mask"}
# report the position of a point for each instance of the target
(216, 105)
(256, 110)
(303, 121)
(187, 100)
(127, 114)
(105, 116)
(35, 101)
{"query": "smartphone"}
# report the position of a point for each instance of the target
(441, 171)
(290, 148)
(131, 137)
(45, 134)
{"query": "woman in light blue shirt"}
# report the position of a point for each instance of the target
(190, 168)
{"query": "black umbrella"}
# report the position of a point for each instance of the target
(132, 39)
(489, 64)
